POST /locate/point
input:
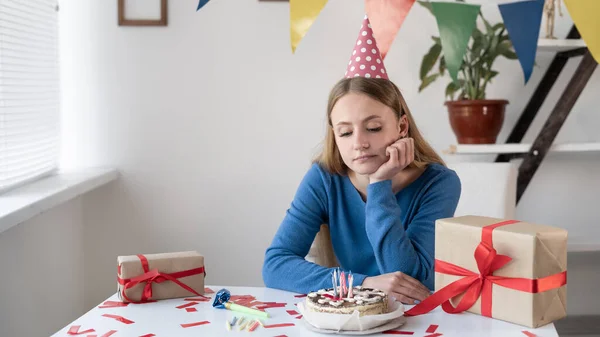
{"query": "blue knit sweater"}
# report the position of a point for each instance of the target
(387, 233)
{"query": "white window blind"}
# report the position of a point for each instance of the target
(29, 90)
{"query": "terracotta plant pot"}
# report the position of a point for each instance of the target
(476, 121)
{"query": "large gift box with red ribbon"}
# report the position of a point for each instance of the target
(143, 278)
(506, 269)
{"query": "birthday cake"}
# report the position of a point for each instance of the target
(366, 301)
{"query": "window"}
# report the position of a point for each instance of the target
(29, 90)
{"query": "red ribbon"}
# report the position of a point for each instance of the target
(154, 276)
(474, 285)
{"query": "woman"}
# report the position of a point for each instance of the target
(377, 185)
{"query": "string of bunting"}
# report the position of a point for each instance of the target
(456, 21)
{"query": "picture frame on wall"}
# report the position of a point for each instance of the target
(142, 12)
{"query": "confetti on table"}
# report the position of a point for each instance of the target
(191, 309)
(191, 304)
(529, 333)
(189, 325)
(233, 321)
(298, 317)
(398, 332)
(119, 318)
(431, 328)
(271, 305)
(300, 296)
(293, 312)
(148, 335)
(208, 290)
(110, 333)
(242, 326)
(434, 335)
(228, 325)
(282, 325)
(281, 336)
(74, 330)
(113, 304)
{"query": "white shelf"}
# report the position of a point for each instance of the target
(559, 45)
(518, 148)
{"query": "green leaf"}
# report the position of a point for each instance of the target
(442, 66)
(430, 59)
(453, 87)
(505, 49)
(427, 81)
(436, 40)
(498, 26)
(427, 5)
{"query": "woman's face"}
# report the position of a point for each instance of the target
(363, 129)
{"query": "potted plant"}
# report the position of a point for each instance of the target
(473, 118)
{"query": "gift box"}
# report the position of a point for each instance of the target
(505, 269)
(523, 266)
(143, 278)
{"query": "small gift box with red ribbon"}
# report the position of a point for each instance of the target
(505, 269)
(143, 278)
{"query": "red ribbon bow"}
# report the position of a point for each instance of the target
(154, 276)
(474, 285)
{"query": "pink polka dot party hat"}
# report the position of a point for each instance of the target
(366, 59)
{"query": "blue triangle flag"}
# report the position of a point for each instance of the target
(522, 21)
(201, 4)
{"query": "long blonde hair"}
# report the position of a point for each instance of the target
(387, 93)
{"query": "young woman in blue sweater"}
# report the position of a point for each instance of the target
(377, 185)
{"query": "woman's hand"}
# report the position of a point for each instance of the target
(401, 153)
(399, 286)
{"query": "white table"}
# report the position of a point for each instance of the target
(162, 318)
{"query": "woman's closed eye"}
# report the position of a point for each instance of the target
(348, 133)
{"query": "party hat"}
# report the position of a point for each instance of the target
(366, 59)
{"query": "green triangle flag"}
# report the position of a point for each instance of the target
(456, 22)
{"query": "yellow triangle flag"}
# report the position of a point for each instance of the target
(302, 15)
(585, 16)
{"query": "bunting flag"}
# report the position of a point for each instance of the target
(386, 17)
(303, 14)
(456, 22)
(201, 4)
(522, 21)
(585, 16)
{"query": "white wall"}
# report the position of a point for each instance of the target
(42, 272)
(212, 123)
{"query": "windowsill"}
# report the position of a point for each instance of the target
(24, 203)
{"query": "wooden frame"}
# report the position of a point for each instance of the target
(144, 22)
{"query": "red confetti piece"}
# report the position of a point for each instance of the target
(119, 318)
(434, 335)
(191, 304)
(298, 317)
(191, 309)
(189, 325)
(281, 336)
(92, 336)
(292, 312)
(431, 328)
(110, 333)
(282, 325)
(113, 304)
(529, 333)
(398, 332)
(208, 290)
(148, 335)
(300, 296)
(74, 330)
